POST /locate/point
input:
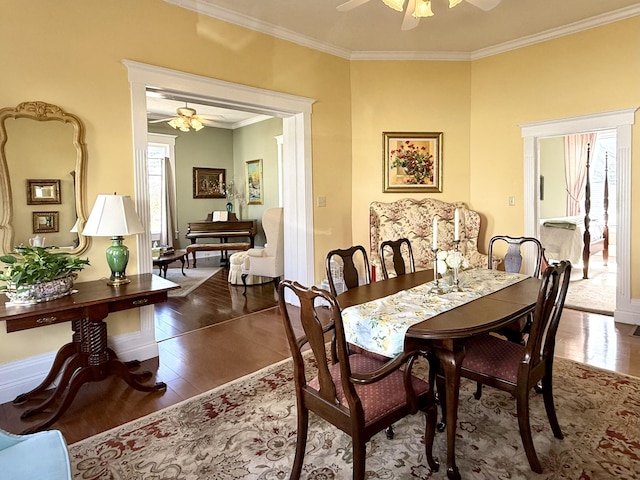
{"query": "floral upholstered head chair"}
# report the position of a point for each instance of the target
(413, 219)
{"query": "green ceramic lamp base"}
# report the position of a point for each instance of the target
(117, 259)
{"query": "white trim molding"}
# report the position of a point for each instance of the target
(627, 310)
(295, 112)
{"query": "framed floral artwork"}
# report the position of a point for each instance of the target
(255, 191)
(412, 162)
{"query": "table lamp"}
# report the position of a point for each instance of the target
(114, 216)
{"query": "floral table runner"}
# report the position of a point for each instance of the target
(380, 325)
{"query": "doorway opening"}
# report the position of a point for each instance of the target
(297, 199)
(564, 176)
(621, 121)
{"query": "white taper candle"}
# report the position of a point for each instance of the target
(435, 233)
(456, 228)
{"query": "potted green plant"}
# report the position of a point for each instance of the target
(37, 274)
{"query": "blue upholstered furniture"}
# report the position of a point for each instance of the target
(41, 455)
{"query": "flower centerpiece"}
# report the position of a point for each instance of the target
(416, 163)
(449, 263)
(449, 260)
(36, 274)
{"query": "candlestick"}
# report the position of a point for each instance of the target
(435, 235)
(456, 228)
(436, 289)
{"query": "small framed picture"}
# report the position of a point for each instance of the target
(208, 182)
(43, 192)
(412, 162)
(255, 192)
(44, 222)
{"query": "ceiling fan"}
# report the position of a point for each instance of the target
(187, 118)
(417, 9)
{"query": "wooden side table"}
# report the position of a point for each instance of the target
(163, 261)
(86, 358)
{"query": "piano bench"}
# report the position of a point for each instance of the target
(215, 247)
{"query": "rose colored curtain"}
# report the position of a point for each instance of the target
(575, 166)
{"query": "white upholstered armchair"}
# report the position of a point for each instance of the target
(267, 261)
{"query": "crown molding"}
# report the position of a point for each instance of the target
(576, 27)
(260, 26)
(251, 23)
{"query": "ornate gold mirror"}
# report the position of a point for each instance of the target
(42, 178)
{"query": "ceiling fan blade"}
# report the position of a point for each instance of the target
(485, 5)
(160, 120)
(410, 22)
(351, 4)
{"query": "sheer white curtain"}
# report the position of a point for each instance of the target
(575, 165)
(168, 232)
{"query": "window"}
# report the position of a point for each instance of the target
(159, 149)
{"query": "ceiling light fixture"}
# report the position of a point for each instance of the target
(186, 119)
(397, 5)
(422, 7)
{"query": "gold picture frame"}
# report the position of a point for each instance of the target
(43, 192)
(44, 222)
(209, 182)
(412, 162)
(254, 185)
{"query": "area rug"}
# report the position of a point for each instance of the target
(247, 430)
(596, 294)
(192, 279)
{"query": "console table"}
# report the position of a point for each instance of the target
(87, 357)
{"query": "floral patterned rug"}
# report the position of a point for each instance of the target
(247, 430)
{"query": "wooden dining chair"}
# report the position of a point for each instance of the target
(348, 260)
(517, 368)
(357, 393)
(518, 329)
(513, 258)
(400, 249)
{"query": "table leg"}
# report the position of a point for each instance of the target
(450, 363)
(65, 353)
(182, 261)
(94, 362)
(164, 269)
(74, 364)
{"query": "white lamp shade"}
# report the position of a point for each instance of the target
(113, 216)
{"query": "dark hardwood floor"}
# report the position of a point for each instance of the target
(232, 336)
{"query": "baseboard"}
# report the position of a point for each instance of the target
(24, 375)
(630, 315)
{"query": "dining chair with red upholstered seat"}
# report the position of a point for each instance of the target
(349, 260)
(517, 368)
(401, 257)
(357, 393)
(512, 262)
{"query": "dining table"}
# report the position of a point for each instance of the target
(413, 313)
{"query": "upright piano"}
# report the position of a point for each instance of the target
(223, 230)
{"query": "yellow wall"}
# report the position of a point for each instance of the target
(70, 54)
(398, 96)
(590, 72)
